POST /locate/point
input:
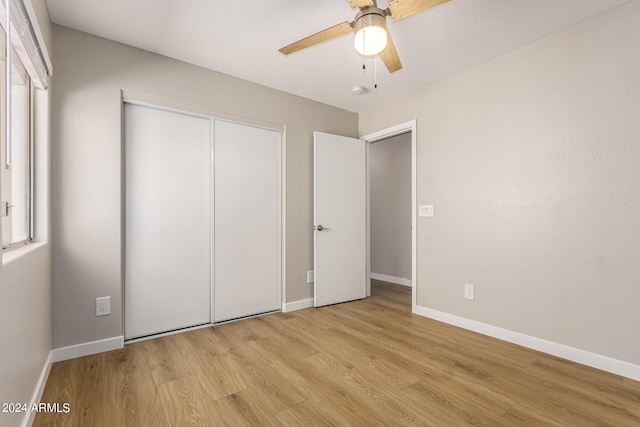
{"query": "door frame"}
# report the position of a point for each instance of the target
(410, 126)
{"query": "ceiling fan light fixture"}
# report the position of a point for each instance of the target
(370, 33)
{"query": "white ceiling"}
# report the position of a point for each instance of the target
(242, 38)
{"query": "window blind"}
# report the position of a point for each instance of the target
(25, 40)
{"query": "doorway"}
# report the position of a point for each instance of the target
(391, 213)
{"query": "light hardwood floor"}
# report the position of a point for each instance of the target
(363, 363)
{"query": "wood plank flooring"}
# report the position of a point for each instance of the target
(363, 363)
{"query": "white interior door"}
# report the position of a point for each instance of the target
(167, 220)
(340, 242)
(247, 221)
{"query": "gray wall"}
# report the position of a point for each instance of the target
(390, 200)
(86, 126)
(532, 163)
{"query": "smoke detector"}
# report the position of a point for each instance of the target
(358, 90)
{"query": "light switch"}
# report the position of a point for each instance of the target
(425, 210)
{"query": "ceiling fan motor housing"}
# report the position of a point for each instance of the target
(371, 21)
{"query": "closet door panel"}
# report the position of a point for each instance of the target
(167, 220)
(247, 220)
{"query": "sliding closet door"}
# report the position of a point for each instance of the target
(247, 221)
(167, 220)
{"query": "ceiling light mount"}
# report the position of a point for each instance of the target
(370, 28)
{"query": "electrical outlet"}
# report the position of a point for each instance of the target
(310, 277)
(470, 291)
(103, 306)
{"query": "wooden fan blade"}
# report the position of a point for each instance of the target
(402, 8)
(390, 56)
(323, 36)
(360, 3)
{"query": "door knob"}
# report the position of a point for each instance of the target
(320, 228)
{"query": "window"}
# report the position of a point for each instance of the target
(23, 68)
(16, 152)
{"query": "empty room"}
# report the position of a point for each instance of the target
(338, 212)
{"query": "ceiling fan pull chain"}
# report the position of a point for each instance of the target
(375, 73)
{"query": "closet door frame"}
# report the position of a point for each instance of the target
(172, 105)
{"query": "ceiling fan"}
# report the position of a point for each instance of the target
(371, 35)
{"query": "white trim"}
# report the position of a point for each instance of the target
(410, 126)
(392, 279)
(390, 132)
(283, 216)
(281, 209)
(212, 219)
(87, 348)
(297, 305)
(39, 390)
(583, 357)
(367, 193)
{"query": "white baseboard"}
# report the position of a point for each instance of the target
(87, 348)
(297, 305)
(39, 390)
(583, 357)
(392, 279)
